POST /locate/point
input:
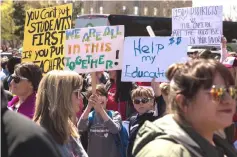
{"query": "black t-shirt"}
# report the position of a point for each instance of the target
(135, 122)
(21, 137)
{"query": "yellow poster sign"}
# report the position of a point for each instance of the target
(44, 36)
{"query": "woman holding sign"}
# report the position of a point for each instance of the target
(203, 100)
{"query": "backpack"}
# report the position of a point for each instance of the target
(121, 139)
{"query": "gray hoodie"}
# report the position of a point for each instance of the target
(101, 142)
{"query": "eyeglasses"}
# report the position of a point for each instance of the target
(218, 93)
(17, 79)
(78, 93)
(142, 100)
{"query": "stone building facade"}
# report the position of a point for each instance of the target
(160, 8)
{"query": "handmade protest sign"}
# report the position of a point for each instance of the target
(44, 36)
(149, 57)
(94, 49)
(203, 25)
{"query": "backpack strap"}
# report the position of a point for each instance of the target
(92, 116)
(110, 114)
(117, 137)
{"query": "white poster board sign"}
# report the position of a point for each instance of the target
(203, 25)
(149, 57)
(94, 49)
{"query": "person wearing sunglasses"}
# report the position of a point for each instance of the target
(24, 84)
(231, 64)
(202, 99)
(57, 103)
(143, 101)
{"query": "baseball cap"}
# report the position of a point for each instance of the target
(230, 62)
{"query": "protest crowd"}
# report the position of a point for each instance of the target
(183, 109)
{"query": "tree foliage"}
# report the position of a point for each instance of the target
(8, 27)
(19, 18)
(7, 23)
(76, 10)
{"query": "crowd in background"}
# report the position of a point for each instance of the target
(193, 114)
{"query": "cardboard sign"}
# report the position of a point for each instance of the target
(94, 49)
(44, 36)
(203, 25)
(149, 57)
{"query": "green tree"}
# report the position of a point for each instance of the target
(76, 9)
(19, 18)
(8, 26)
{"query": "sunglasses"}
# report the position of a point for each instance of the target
(17, 79)
(218, 93)
(78, 93)
(142, 100)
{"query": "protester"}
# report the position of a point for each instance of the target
(3, 69)
(143, 101)
(101, 78)
(102, 125)
(193, 55)
(12, 62)
(205, 54)
(165, 91)
(231, 64)
(224, 52)
(119, 94)
(57, 102)
(202, 99)
(160, 105)
(24, 85)
(232, 54)
(20, 137)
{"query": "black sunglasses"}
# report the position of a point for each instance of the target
(143, 100)
(17, 79)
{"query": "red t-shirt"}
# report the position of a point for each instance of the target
(113, 105)
(143, 83)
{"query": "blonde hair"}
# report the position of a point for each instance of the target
(53, 109)
(173, 68)
(142, 92)
(165, 87)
